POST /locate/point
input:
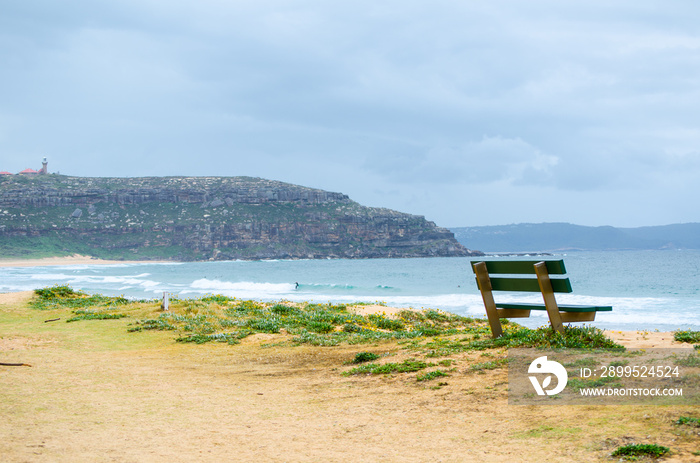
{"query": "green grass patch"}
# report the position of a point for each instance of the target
(687, 420)
(96, 316)
(516, 336)
(632, 451)
(689, 361)
(363, 357)
(230, 338)
(159, 324)
(431, 375)
(58, 291)
(688, 336)
(490, 365)
(265, 325)
(63, 296)
(582, 362)
(218, 298)
(281, 309)
(386, 323)
(587, 337)
(577, 383)
(407, 366)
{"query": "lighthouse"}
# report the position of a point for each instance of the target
(44, 165)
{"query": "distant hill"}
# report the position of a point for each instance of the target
(544, 237)
(203, 218)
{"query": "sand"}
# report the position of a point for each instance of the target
(646, 339)
(75, 259)
(95, 393)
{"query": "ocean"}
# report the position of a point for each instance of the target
(649, 290)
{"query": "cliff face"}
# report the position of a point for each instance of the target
(202, 218)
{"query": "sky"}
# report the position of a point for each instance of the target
(469, 113)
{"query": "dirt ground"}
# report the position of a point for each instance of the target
(95, 393)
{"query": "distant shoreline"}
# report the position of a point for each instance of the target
(75, 259)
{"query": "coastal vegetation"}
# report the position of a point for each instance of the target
(427, 340)
(218, 318)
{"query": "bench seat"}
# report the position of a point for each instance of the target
(562, 307)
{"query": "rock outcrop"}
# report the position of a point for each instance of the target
(204, 218)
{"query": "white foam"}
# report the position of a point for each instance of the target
(49, 276)
(360, 281)
(239, 289)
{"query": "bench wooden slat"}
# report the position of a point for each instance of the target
(568, 317)
(565, 317)
(562, 307)
(559, 285)
(521, 267)
(513, 313)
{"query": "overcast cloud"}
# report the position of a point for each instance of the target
(470, 113)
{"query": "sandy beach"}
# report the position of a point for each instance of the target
(75, 259)
(95, 392)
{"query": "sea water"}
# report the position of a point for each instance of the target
(649, 290)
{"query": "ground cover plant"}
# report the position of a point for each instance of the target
(692, 337)
(431, 375)
(689, 421)
(63, 296)
(218, 318)
(576, 384)
(90, 315)
(407, 366)
(689, 361)
(421, 335)
(479, 339)
(362, 357)
(688, 336)
(632, 451)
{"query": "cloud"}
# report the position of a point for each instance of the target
(588, 99)
(489, 160)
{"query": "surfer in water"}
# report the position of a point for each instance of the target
(296, 285)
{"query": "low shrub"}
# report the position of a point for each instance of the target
(688, 336)
(640, 450)
(362, 357)
(96, 316)
(407, 366)
(687, 420)
(431, 375)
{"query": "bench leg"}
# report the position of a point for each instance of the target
(550, 302)
(482, 276)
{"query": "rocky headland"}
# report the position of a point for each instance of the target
(204, 218)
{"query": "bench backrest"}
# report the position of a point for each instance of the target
(527, 279)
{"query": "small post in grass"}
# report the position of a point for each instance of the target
(166, 301)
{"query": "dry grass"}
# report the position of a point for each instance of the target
(96, 392)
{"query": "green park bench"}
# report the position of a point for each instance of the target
(532, 276)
